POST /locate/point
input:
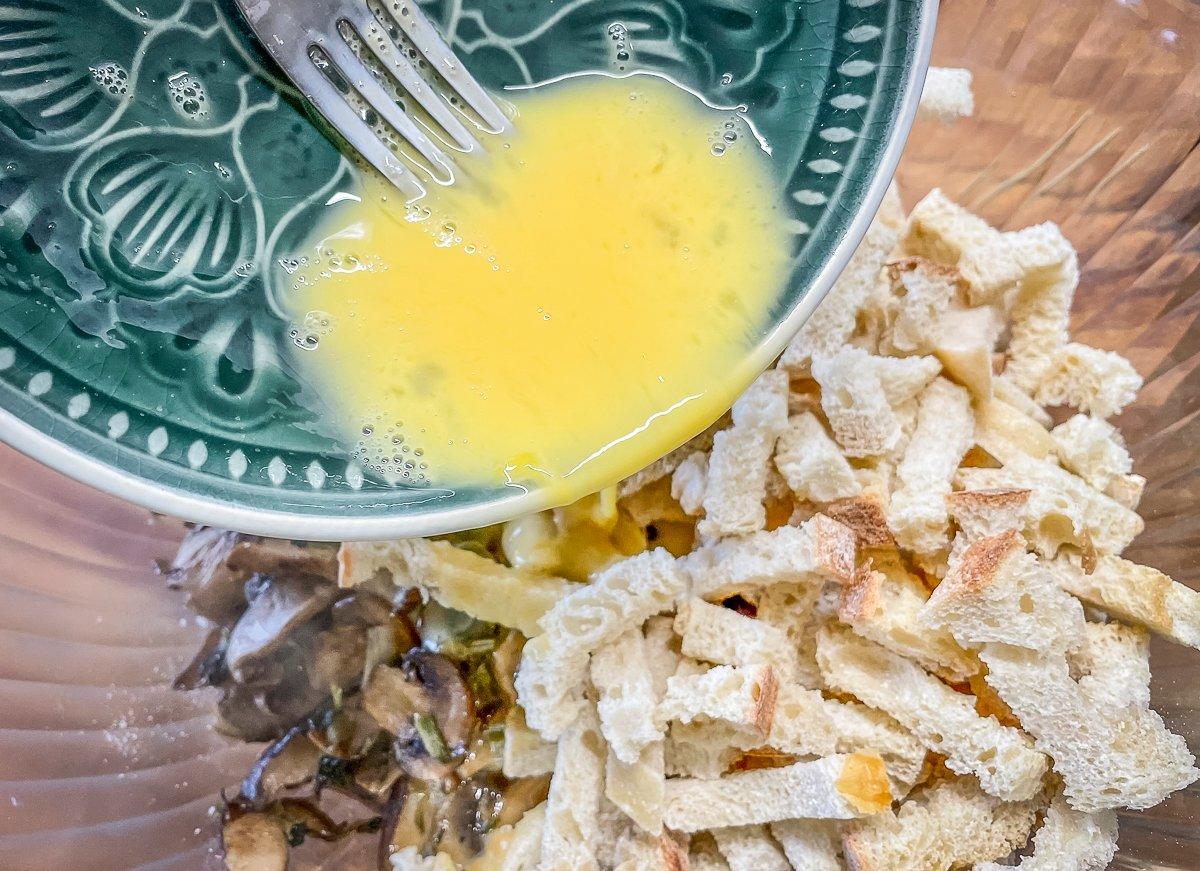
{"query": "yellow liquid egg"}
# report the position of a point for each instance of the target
(580, 303)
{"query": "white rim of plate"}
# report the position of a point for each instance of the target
(285, 524)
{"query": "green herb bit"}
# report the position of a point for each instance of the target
(431, 736)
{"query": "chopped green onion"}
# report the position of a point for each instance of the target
(431, 736)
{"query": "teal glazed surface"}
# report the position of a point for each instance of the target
(156, 175)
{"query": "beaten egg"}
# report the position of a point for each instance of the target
(582, 300)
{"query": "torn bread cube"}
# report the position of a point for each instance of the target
(1005, 390)
(1099, 383)
(516, 847)
(947, 94)
(951, 825)
(1062, 508)
(639, 851)
(1069, 839)
(704, 750)
(917, 515)
(858, 727)
(809, 845)
(834, 320)
(1093, 450)
(571, 831)
(860, 394)
(526, 753)
(553, 667)
(922, 291)
(638, 788)
(819, 548)
(626, 697)
(1040, 312)
(801, 725)
(719, 635)
(456, 578)
(997, 592)
(667, 464)
(736, 480)
(689, 482)
(866, 515)
(741, 697)
(984, 513)
(834, 787)
(964, 342)
(1127, 490)
(1138, 594)
(1106, 758)
(943, 231)
(887, 610)
(790, 609)
(410, 859)
(662, 652)
(811, 463)
(1006, 432)
(750, 848)
(1114, 663)
(943, 720)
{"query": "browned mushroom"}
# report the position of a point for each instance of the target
(450, 703)
(277, 606)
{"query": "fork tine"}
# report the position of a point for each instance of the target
(342, 117)
(361, 79)
(429, 42)
(406, 74)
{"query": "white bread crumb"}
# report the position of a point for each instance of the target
(947, 95)
(1069, 839)
(750, 848)
(626, 698)
(1099, 383)
(1093, 450)
(811, 463)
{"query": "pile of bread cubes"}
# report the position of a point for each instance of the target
(905, 637)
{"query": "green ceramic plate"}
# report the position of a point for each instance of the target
(156, 174)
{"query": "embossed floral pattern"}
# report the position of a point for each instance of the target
(159, 172)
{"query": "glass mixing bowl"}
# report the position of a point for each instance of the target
(1087, 113)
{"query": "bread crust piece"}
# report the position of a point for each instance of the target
(737, 467)
(943, 231)
(571, 832)
(724, 637)
(818, 548)
(1069, 839)
(741, 697)
(860, 394)
(834, 320)
(811, 463)
(887, 610)
(954, 824)
(750, 848)
(984, 513)
(917, 515)
(866, 516)
(626, 697)
(1093, 449)
(1040, 313)
(456, 578)
(1096, 382)
(1062, 509)
(638, 788)
(947, 94)
(1137, 594)
(554, 665)
(803, 790)
(943, 720)
(997, 592)
(1106, 758)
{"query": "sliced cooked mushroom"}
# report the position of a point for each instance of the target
(200, 569)
(451, 704)
(283, 558)
(254, 842)
(276, 607)
(392, 698)
(207, 668)
(287, 763)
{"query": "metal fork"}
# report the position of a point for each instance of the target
(311, 41)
